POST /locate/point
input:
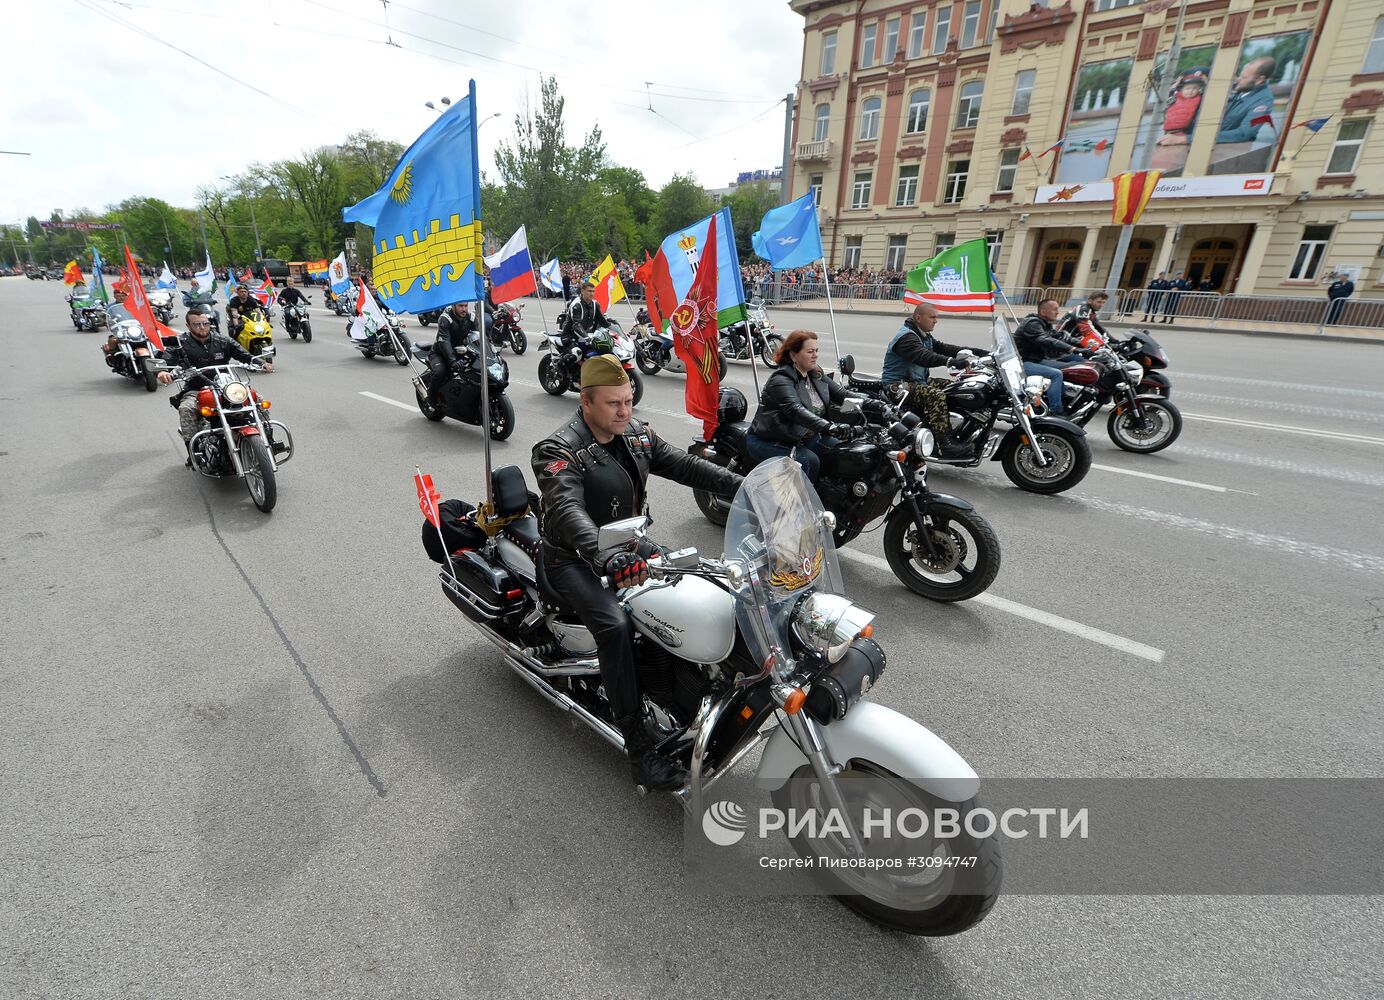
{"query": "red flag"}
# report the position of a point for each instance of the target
(696, 341)
(137, 305)
(72, 274)
(1102, 146)
(1132, 193)
(659, 297)
(427, 497)
(265, 293)
(1262, 120)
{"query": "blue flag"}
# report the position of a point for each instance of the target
(789, 235)
(684, 250)
(230, 283)
(427, 244)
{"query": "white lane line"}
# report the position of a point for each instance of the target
(1284, 465)
(1169, 479)
(1283, 429)
(1363, 561)
(1087, 632)
(392, 402)
(1330, 390)
(1298, 409)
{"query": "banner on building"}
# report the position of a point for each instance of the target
(1235, 185)
(1093, 120)
(1253, 118)
(1172, 134)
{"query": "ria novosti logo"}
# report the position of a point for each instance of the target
(724, 823)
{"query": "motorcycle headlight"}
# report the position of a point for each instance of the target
(828, 623)
(129, 330)
(923, 442)
(236, 393)
(1134, 372)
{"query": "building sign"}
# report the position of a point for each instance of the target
(1224, 186)
(1172, 134)
(80, 225)
(750, 176)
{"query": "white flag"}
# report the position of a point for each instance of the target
(206, 279)
(338, 274)
(369, 319)
(166, 279)
(551, 273)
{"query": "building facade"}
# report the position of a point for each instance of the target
(924, 124)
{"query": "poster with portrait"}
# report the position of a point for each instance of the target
(1172, 131)
(1248, 127)
(1093, 120)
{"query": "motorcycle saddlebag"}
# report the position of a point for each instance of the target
(457, 530)
(845, 682)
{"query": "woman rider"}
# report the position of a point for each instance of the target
(792, 417)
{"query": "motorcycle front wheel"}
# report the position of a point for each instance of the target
(636, 387)
(307, 333)
(519, 342)
(501, 418)
(646, 364)
(933, 900)
(292, 334)
(770, 350)
(1068, 456)
(151, 378)
(1160, 426)
(551, 376)
(966, 559)
(400, 349)
(426, 406)
(259, 472)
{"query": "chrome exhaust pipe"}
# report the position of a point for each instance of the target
(602, 728)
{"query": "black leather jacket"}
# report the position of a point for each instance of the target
(186, 352)
(784, 415)
(452, 335)
(584, 486)
(583, 318)
(1036, 339)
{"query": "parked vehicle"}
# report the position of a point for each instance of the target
(459, 397)
(129, 353)
(760, 647)
(275, 270)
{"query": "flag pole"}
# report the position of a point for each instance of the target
(1312, 134)
(538, 287)
(451, 567)
(485, 401)
(831, 311)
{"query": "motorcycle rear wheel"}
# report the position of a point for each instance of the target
(426, 406)
(958, 581)
(551, 376)
(637, 387)
(931, 901)
(1071, 454)
(259, 472)
(1162, 425)
(646, 364)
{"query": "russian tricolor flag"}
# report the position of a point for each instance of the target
(511, 270)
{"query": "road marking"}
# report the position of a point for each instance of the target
(1285, 465)
(1363, 561)
(1169, 479)
(1329, 390)
(1283, 429)
(392, 402)
(1298, 409)
(1052, 621)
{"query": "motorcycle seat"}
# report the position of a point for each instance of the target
(866, 382)
(524, 533)
(736, 431)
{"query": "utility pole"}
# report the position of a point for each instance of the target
(1143, 147)
(784, 192)
(202, 222)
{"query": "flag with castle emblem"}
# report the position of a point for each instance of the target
(685, 251)
(426, 217)
(957, 280)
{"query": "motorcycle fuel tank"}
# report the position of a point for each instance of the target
(851, 461)
(1081, 374)
(693, 619)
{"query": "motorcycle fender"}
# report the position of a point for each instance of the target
(1011, 439)
(881, 736)
(946, 499)
(247, 432)
(1158, 379)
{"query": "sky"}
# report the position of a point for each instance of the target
(107, 108)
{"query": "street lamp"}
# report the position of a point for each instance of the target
(240, 186)
(446, 101)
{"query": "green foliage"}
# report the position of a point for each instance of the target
(747, 206)
(681, 202)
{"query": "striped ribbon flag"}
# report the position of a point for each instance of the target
(1132, 193)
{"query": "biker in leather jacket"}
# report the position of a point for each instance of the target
(455, 328)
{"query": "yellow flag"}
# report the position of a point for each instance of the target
(608, 289)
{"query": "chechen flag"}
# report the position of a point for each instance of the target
(957, 280)
(511, 270)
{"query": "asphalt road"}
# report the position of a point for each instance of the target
(247, 755)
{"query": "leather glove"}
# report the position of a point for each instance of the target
(843, 432)
(626, 569)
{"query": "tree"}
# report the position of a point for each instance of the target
(681, 202)
(216, 210)
(316, 182)
(747, 204)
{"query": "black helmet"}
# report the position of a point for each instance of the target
(731, 407)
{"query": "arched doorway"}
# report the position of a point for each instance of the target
(1060, 258)
(1213, 259)
(1137, 264)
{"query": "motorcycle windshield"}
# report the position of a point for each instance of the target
(777, 530)
(1007, 359)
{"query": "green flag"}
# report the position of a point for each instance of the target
(957, 280)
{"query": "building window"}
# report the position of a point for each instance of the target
(1112, 4)
(891, 39)
(869, 118)
(968, 107)
(814, 182)
(994, 241)
(907, 192)
(916, 29)
(1009, 167)
(1023, 91)
(1374, 55)
(860, 191)
(994, 21)
(1309, 253)
(942, 35)
(829, 53)
(945, 241)
(956, 182)
(867, 46)
(852, 253)
(918, 103)
(970, 24)
(894, 256)
(819, 131)
(1346, 152)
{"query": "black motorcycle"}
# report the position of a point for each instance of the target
(129, 353)
(938, 546)
(459, 397)
(296, 322)
(755, 333)
(205, 305)
(559, 370)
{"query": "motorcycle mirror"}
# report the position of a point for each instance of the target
(268, 352)
(619, 533)
(847, 365)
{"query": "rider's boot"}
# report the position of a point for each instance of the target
(950, 448)
(650, 771)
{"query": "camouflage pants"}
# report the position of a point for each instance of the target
(189, 416)
(928, 401)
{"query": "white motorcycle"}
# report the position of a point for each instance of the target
(759, 647)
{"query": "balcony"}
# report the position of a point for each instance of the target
(817, 149)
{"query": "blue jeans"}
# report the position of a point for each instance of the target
(804, 454)
(1054, 396)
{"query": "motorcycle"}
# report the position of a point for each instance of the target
(653, 349)
(161, 301)
(939, 546)
(129, 353)
(755, 333)
(256, 334)
(559, 370)
(1138, 346)
(760, 647)
(203, 303)
(1041, 454)
(505, 329)
(460, 396)
(1138, 423)
(388, 341)
(87, 314)
(296, 322)
(235, 436)
(343, 304)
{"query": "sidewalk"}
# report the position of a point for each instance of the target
(886, 307)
